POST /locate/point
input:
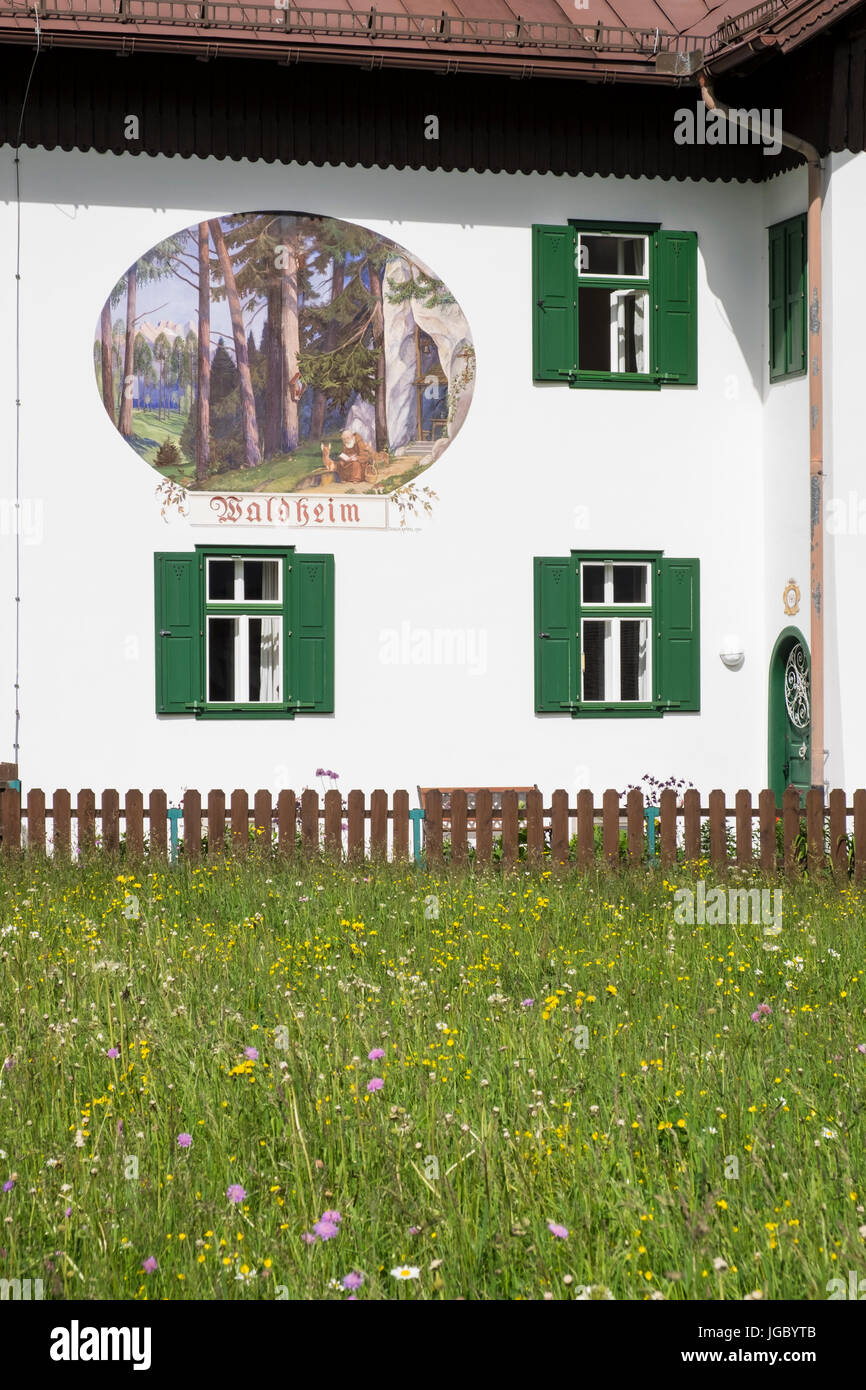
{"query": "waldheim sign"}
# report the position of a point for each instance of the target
(294, 512)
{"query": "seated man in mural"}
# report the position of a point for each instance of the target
(353, 461)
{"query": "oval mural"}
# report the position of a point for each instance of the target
(284, 352)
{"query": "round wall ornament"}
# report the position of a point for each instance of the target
(791, 598)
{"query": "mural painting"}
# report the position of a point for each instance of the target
(275, 352)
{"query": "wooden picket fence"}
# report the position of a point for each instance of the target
(521, 828)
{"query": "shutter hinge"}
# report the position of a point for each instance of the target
(164, 632)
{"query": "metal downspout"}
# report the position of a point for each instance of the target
(815, 368)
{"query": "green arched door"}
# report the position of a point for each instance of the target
(790, 730)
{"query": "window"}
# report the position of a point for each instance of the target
(244, 633)
(788, 293)
(614, 305)
(616, 633)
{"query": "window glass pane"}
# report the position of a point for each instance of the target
(265, 660)
(633, 651)
(630, 584)
(596, 644)
(593, 583)
(613, 330)
(221, 647)
(261, 580)
(220, 580)
(612, 255)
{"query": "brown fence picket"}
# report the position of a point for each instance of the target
(263, 820)
(585, 829)
(718, 831)
(334, 824)
(86, 807)
(483, 828)
(692, 825)
(459, 819)
(111, 820)
(133, 824)
(635, 818)
(216, 823)
(10, 820)
(815, 829)
(743, 804)
(668, 827)
(534, 827)
(559, 828)
(310, 823)
(767, 824)
(240, 818)
(838, 832)
(510, 828)
(287, 824)
(860, 836)
(158, 829)
(36, 819)
(433, 827)
(400, 825)
(356, 821)
(61, 830)
(192, 825)
(790, 825)
(610, 826)
(379, 825)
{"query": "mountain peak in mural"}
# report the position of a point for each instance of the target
(284, 352)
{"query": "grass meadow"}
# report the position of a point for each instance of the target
(253, 1081)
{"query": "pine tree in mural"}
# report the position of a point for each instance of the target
(106, 361)
(161, 350)
(252, 451)
(142, 363)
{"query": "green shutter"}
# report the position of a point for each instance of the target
(795, 293)
(555, 635)
(675, 286)
(778, 336)
(678, 630)
(178, 633)
(554, 322)
(311, 675)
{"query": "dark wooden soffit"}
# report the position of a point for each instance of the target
(657, 41)
(338, 115)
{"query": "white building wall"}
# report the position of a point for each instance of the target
(534, 471)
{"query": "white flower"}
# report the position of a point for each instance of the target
(828, 1133)
(53, 1163)
(406, 1272)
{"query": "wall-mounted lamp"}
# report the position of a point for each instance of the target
(732, 653)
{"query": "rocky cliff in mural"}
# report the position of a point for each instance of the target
(284, 352)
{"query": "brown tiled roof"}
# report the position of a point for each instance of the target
(630, 40)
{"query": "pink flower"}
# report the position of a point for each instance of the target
(113, 1052)
(376, 1054)
(235, 1193)
(561, 1232)
(375, 1083)
(861, 1047)
(354, 1280)
(756, 1017)
(251, 1054)
(308, 1238)
(326, 1230)
(333, 1216)
(150, 1265)
(184, 1140)
(526, 1003)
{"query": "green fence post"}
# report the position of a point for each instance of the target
(652, 814)
(174, 815)
(416, 816)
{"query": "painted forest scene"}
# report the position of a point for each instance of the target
(284, 352)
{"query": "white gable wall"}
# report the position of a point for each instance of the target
(534, 471)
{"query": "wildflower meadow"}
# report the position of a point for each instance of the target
(253, 1081)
